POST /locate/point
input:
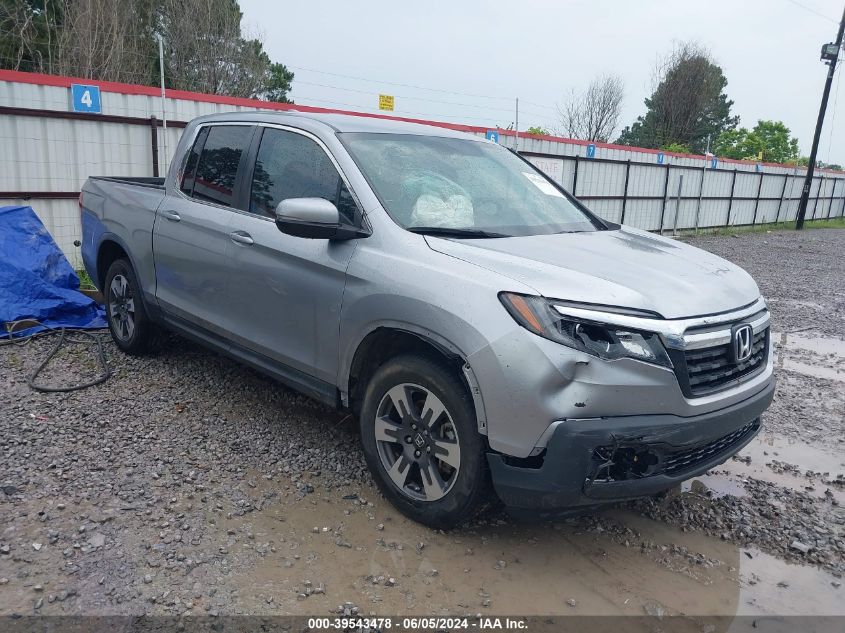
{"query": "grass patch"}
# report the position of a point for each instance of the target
(833, 223)
(84, 280)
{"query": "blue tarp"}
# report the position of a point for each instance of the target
(36, 279)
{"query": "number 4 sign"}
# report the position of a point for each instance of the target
(85, 98)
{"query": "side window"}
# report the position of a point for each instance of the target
(187, 184)
(290, 165)
(218, 162)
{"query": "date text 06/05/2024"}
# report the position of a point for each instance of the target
(415, 624)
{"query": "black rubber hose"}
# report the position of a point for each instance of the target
(101, 354)
(63, 337)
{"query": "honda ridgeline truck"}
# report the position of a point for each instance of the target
(487, 330)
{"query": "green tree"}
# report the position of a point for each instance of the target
(740, 144)
(803, 161)
(206, 49)
(778, 145)
(687, 105)
(25, 29)
(278, 84)
(768, 141)
(677, 148)
(537, 130)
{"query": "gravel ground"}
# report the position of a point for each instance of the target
(190, 484)
(800, 274)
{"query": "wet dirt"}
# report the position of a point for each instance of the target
(771, 586)
(817, 356)
(302, 556)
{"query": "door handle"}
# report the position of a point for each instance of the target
(171, 215)
(242, 237)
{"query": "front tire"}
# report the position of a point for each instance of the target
(420, 439)
(131, 328)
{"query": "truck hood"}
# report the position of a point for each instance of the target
(625, 267)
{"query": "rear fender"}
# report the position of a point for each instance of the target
(147, 294)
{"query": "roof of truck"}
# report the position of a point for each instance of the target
(342, 122)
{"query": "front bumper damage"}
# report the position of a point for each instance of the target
(592, 461)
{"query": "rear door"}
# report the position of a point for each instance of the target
(285, 292)
(191, 234)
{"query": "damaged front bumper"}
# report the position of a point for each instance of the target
(600, 460)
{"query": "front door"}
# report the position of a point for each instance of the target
(285, 291)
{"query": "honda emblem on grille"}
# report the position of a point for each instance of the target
(741, 342)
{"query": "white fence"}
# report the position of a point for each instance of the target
(48, 151)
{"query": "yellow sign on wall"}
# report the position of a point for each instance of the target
(385, 102)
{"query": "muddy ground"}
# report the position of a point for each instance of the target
(188, 484)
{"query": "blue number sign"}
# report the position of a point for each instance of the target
(85, 98)
(492, 135)
(714, 162)
(591, 150)
(660, 158)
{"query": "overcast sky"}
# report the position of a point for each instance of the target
(466, 60)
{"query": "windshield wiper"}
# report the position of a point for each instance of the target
(445, 231)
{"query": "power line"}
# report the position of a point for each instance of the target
(509, 111)
(539, 105)
(370, 92)
(813, 11)
(416, 87)
(393, 83)
(305, 100)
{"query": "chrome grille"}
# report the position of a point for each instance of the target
(710, 368)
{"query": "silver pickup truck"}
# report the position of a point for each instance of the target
(489, 332)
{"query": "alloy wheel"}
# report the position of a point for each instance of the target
(121, 308)
(417, 442)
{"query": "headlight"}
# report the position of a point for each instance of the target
(609, 342)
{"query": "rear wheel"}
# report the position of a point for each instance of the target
(130, 326)
(421, 441)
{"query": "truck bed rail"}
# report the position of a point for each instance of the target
(141, 181)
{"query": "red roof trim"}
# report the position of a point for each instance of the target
(152, 91)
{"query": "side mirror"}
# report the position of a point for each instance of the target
(314, 218)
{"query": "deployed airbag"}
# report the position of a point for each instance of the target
(438, 202)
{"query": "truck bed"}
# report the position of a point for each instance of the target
(123, 211)
(154, 183)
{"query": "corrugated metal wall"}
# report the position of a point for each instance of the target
(48, 153)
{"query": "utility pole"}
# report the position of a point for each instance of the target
(830, 55)
(163, 101)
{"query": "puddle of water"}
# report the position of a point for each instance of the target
(817, 371)
(817, 344)
(808, 590)
(538, 567)
(490, 569)
(833, 351)
(717, 485)
(730, 477)
(757, 576)
(765, 449)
